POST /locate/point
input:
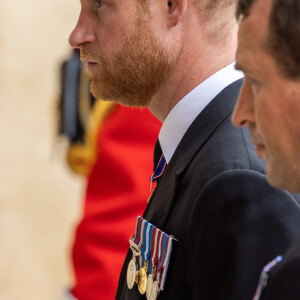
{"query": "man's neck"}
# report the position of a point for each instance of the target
(192, 68)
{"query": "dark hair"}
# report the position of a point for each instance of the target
(283, 40)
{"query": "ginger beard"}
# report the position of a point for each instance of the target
(133, 74)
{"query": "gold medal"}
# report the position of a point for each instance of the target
(142, 281)
(154, 291)
(149, 286)
(131, 274)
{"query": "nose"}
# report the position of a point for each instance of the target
(82, 33)
(243, 113)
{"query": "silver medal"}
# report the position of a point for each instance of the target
(149, 286)
(154, 291)
(131, 274)
(132, 269)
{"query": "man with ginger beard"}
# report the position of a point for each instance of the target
(176, 58)
(269, 104)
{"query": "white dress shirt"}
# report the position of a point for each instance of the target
(189, 107)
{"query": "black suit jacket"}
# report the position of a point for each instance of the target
(214, 198)
(284, 279)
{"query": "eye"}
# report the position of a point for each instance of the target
(99, 3)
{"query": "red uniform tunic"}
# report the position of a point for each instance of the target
(117, 192)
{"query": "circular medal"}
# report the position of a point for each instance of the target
(131, 274)
(154, 291)
(142, 281)
(149, 286)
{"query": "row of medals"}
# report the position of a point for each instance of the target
(146, 284)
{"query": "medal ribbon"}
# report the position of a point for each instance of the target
(149, 243)
(147, 240)
(166, 262)
(164, 251)
(158, 172)
(154, 248)
(134, 241)
(159, 253)
(138, 232)
(159, 169)
(143, 222)
(264, 277)
(138, 220)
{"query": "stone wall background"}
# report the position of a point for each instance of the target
(40, 199)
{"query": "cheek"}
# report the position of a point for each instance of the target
(268, 126)
(112, 31)
(275, 124)
(263, 112)
(291, 124)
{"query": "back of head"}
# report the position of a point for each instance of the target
(217, 16)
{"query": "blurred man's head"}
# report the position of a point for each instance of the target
(269, 54)
(133, 47)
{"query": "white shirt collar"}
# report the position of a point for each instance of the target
(189, 107)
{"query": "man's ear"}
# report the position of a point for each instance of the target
(175, 11)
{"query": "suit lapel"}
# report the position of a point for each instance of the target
(196, 136)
